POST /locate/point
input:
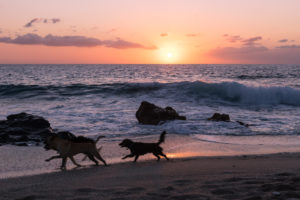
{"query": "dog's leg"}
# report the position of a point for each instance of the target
(158, 158)
(100, 158)
(84, 158)
(74, 162)
(97, 155)
(86, 155)
(91, 157)
(161, 153)
(63, 164)
(136, 157)
(53, 157)
(128, 156)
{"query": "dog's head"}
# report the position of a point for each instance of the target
(126, 143)
(49, 143)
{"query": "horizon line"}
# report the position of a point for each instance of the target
(147, 64)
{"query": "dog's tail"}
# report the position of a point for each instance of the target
(162, 137)
(98, 138)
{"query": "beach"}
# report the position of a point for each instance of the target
(197, 170)
(275, 176)
(28, 161)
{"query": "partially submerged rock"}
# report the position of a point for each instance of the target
(23, 128)
(149, 113)
(220, 117)
(243, 124)
(225, 118)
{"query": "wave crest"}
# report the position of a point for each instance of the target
(239, 93)
(225, 91)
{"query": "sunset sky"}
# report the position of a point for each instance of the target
(150, 32)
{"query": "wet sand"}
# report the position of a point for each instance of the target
(204, 168)
(24, 161)
(254, 177)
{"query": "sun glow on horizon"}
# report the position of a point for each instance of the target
(170, 53)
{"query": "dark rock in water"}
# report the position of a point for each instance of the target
(23, 129)
(22, 144)
(149, 113)
(220, 117)
(23, 138)
(19, 129)
(4, 138)
(243, 124)
(27, 120)
(225, 118)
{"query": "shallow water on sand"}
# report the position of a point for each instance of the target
(24, 161)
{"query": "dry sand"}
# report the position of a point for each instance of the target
(252, 177)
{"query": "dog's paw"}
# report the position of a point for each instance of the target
(47, 160)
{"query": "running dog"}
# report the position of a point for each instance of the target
(68, 148)
(139, 148)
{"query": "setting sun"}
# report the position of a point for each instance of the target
(170, 53)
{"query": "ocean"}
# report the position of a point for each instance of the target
(102, 99)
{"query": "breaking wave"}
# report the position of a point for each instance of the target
(225, 91)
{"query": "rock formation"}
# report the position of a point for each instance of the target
(21, 129)
(149, 113)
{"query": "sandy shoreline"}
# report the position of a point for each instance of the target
(209, 167)
(26, 161)
(275, 176)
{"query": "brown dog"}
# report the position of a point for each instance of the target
(67, 149)
(140, 148)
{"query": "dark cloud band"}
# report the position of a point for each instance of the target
(289, 47)
(258, 54)
(77, 41)
(41, 20)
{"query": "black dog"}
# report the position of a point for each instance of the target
(139, 148)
